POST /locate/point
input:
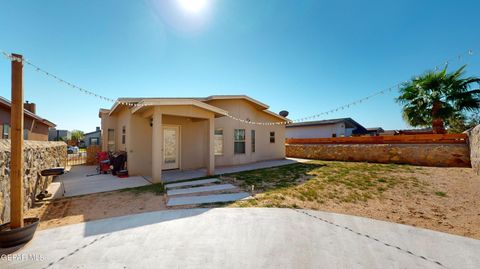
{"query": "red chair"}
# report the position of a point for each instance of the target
(103, 162)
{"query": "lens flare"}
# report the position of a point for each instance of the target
(193, 6)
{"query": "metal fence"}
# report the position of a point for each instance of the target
(79, 158)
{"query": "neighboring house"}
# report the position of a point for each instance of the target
(375, 131)
(35, 127)
(407, 132)
(343, 127)
(93, 138)
(191, 133)
(59, 135)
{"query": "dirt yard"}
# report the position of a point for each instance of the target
(442, 199)
(98, 206)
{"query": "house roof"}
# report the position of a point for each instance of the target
(349, 123)
(177, 102)
(99, 131)
(6, 103)
(197, 101)
(375, 129)
(259, 104)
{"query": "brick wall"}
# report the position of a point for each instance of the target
(39, 155)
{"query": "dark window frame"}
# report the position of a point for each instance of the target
(124, 134)
(239, 141)
(272, 137)
(252, 134)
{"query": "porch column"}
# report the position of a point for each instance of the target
(211, 147)
(157, 145)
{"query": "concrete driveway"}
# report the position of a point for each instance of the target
(244, 238)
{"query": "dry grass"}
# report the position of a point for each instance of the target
(317, 182)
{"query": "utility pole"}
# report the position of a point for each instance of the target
(16, 160)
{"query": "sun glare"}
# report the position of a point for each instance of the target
(193, 6)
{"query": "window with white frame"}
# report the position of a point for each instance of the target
(6, 131)
(111, 139)
(218, 142)
(239, 141)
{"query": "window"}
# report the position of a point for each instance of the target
(239, 141)
(25, 134)
(334, 135)
(93, 140)
(6, 131)
(272, 137)
(218, 142)
(123, 135)
(253, 141)
(111, 140)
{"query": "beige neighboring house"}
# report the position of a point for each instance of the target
(191, 133)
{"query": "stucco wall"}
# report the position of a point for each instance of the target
(193, 122)
(474, 141)
(264, 150)
(39, 155)
(454, 155)
(140, 146)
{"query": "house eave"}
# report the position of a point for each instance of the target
(178, 102)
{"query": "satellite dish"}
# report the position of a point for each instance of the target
(283, 113)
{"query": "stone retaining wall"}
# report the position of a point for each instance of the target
(474, 141)
(39, 155)
(455, 155)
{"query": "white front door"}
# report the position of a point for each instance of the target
(170, 147)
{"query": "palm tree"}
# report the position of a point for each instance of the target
(437, 97)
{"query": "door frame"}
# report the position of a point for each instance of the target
(179, 145)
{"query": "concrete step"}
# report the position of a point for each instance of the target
(207, 199)
(220, 187)
(191, 183)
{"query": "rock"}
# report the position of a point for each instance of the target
(447, 155)
(38, 155)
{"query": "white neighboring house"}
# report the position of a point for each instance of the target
(343, 127)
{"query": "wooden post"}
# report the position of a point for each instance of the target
(16, 160)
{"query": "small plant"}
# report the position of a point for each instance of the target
(441, 193)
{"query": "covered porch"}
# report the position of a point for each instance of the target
(171, 135)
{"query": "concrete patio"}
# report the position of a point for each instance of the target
(83, 179)
(244, 238)
(177, 175)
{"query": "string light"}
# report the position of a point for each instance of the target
(133, 104)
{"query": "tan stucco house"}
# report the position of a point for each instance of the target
(191, 133)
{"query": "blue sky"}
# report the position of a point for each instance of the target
(302, 56)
